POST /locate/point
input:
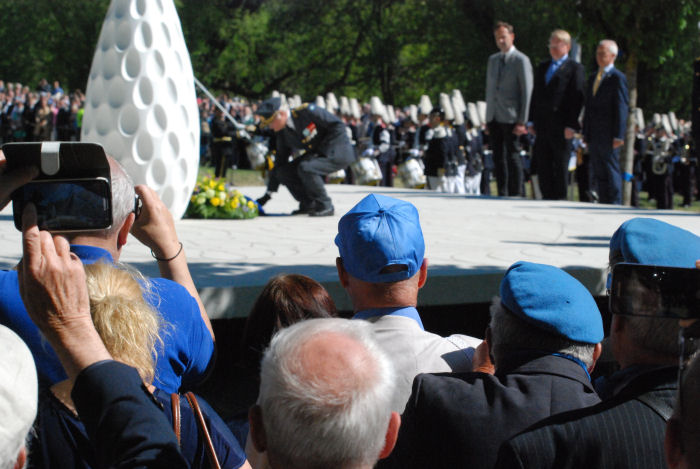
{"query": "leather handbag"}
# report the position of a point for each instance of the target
(201, 425)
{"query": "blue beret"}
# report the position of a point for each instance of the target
(378, 232)
(654, 242)
(550, 299)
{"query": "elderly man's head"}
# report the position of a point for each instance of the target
(325, 397)
(543, 309)
(18, 398)
(652, 242)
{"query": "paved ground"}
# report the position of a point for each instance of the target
(470, 241)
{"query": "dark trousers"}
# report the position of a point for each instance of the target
(506, 159)
(604, 173)
(288, 174)
(551, 161)
(386, 164)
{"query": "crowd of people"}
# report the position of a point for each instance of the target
(97, 358)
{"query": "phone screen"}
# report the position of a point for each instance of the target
(650, 290)
(66, 205)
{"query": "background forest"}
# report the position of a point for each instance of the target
(396, 49)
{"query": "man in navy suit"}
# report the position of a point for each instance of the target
(557, 98)
(604, 124)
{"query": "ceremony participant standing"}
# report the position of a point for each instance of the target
(557, 98)
(508, 90)
(605, 123)
(322, 135)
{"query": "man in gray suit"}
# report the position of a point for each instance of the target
(508, 90)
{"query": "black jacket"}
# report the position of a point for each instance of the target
(457, 420)
(557, 104)
(621, 432)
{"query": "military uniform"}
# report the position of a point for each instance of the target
(381, 142)
(223, 132)
(327, 149)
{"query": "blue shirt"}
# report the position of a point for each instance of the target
(553, 67)
(187, 344)
(406, 311)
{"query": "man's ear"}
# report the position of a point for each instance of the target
(342, 273)
(257, 429)
(123, 234)
(423, 273)
(672, 447)
(392, 433)
(597, 351)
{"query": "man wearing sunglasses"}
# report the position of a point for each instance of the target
(627, 429)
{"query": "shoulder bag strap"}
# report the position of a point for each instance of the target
(203, 431)
(175, 407)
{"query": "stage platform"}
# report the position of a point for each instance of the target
(470, 242)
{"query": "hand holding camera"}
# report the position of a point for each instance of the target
(11, 180)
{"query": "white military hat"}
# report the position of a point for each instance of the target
(297, 100)
(18, 393)
(376, 107)
(283, 100)
(413, 113)
(639, 117)
(345, 106)
(656, 119)
(458, 101)
(355, 107)
(275, 94)
(331, 102)
(425, 106)
(473, 114)
(481, 107)
(446, 106)
(390, 113)
(459, 113)
(320, 102)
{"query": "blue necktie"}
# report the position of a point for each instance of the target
(550, 72)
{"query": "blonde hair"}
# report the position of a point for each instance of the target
(127, 324)
(561, 35)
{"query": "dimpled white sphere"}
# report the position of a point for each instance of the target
(140, 99)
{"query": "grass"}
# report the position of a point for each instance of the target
(249, 177)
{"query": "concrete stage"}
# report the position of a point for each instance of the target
(470, 241)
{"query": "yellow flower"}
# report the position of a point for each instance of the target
(193, 199)
(220, 188)
(235, 203)
(212, 184)
(215, 201)
(251, 204)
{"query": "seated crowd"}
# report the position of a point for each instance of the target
(98, 359)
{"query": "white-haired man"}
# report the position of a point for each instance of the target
(18, 398)
(326, 389)
(605, 123)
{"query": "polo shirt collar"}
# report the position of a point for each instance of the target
(91, 254)
(405, 311)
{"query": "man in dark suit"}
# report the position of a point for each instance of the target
(627, 429)
(605, 123)
(682, 433)
(327, 149)
(557, 98)
(544, 338)
(508, 89)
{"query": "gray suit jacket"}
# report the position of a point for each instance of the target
(508, 99)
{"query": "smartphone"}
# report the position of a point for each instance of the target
(82, 204)
(653, 290)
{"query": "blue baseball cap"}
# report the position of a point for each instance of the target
(654, 242)
(550, 299)
(378, 232)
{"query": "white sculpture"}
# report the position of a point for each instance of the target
(140, 99)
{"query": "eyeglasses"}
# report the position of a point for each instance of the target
(138, 205)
